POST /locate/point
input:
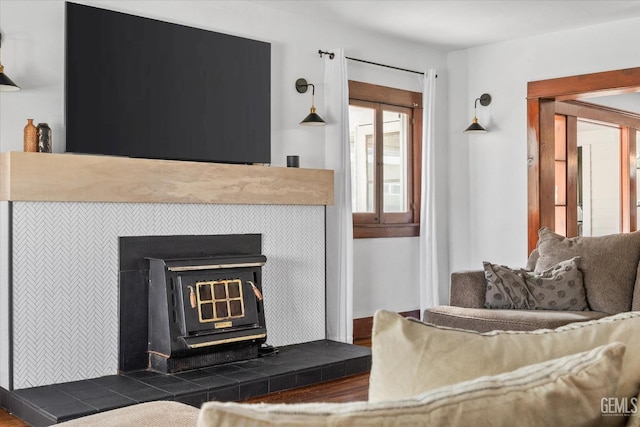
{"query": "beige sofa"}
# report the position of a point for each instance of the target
(610, 269)
(583, 374)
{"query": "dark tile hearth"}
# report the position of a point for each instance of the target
(294, 366)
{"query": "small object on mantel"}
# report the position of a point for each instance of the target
(293, 161)
(30, 137)
(44, 138)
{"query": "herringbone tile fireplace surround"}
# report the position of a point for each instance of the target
(61, 289)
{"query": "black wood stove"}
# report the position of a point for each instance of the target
(205, 311)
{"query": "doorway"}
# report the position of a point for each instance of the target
(553, 153)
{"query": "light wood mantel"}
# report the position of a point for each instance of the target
(83, 178)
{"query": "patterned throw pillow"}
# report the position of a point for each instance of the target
(557, 288)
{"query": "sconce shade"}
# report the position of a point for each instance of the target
(475, 127)
(6, 84)
(312, 119)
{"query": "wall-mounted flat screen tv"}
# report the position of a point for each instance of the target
(140, 87)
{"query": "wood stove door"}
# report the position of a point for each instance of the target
(219, 301)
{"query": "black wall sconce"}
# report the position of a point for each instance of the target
(312, 119)
(485, 99)
(6, 84)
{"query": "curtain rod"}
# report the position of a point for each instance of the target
(332, 55)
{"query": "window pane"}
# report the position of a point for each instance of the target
(561, 220)
(561, 183)
(362, 144)
(560, 137)
(638, 178)
(394, 193)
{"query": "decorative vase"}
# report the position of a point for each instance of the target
(30, 137)
(44, 138)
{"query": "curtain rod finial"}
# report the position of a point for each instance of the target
(322, 52)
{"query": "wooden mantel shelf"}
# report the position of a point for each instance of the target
(83, 178)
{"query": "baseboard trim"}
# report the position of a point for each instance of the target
(362, 327)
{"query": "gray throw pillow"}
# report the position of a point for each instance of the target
(608, 263)
(557, 288)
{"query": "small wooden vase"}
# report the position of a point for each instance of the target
(30, 137)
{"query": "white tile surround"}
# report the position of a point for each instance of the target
(64, 278)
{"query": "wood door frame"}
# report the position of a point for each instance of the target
(541, 98)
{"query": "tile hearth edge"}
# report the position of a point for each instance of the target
(294, 366)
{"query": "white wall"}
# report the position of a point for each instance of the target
(492, 203)
(460, 235)
(388, 286)
(600, 178)
(33, 56)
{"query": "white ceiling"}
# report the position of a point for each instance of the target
(451, 25)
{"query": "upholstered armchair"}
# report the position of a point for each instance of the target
(609, 267)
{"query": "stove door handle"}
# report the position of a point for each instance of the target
(192, 297)
(255, 290)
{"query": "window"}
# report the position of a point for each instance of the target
(385, 128)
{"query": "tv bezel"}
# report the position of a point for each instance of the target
(252, 86)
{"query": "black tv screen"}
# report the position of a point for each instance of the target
(140, 87)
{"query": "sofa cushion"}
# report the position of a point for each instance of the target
(157, 414)
(559, 287)
(468, 288)
(411, 357)
(532, 260)
(485, 320)
(560, 392)
(609, 264)
(635, 305)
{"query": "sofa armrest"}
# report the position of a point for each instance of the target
(468, 289)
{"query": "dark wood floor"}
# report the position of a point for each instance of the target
(7, 420)
(349, 389)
